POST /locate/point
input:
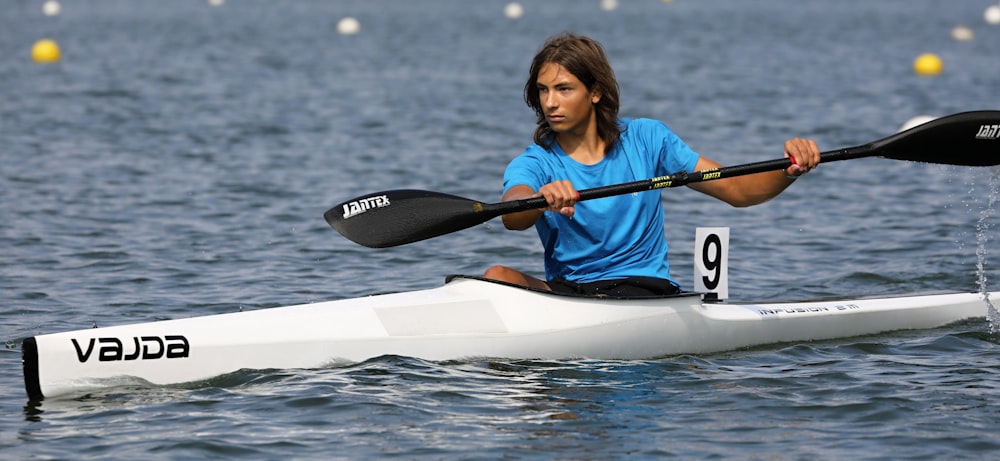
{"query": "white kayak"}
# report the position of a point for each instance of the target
(463, 319)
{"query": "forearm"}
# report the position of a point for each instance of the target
(522, 219)
(744, 191)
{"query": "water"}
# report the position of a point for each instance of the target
(178, 160)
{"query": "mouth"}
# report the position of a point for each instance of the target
(555, 118)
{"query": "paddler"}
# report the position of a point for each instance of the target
(612, 246)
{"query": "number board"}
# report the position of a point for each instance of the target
(711, 261)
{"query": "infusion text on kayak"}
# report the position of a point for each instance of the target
(141, 348)
(362, 205)
(807, 309)
(988, 132)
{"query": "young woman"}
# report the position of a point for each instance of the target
(616, 245)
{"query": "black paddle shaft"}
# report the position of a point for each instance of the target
(398, 217)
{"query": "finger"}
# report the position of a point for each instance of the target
(813, 153)
(791, 153)
(559, 194)
(551, 197)
(804, 154)
(566, 193)
(569, 192)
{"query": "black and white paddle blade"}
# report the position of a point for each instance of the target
(397, 217)
(966, 138)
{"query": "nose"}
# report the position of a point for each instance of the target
(549, 99)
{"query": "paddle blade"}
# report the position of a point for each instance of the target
(398, 217)
(967, 138)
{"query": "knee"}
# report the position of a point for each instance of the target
(514, 276)
(502, 273)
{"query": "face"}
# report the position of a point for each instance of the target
(567, 104)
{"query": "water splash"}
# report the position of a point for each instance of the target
(983, 225)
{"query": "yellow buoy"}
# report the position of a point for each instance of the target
(45, 51)
(928, 64)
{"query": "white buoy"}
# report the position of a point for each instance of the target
(962, 34)
(609, 5)
(51, 8)
(216, 2)
(348, 26)
(915, 121)
(513, 10)
(992, 15)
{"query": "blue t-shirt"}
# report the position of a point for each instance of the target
(613, 237)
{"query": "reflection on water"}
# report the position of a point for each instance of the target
(983, 226)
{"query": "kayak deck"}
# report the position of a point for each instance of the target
(466, 318)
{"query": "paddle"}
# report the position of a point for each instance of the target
(398, 217)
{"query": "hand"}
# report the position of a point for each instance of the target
(804, 154)
(561, 196)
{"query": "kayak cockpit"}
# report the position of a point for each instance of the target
(454, 277)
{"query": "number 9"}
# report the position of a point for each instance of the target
(712, 263)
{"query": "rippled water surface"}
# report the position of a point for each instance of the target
(177, 161)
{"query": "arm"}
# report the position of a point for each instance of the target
(743, 191)
(561, 196)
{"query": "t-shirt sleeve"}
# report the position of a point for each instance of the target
(683, 158)
(526, 169)
(672, 152)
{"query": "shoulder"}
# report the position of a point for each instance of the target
(643, 126)
(532, 168)
(657, 139)
(646, 132)
(532, 155)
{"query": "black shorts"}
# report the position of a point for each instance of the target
(630, 287)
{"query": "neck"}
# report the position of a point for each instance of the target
(586, 148)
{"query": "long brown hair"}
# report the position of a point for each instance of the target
(583, 57)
